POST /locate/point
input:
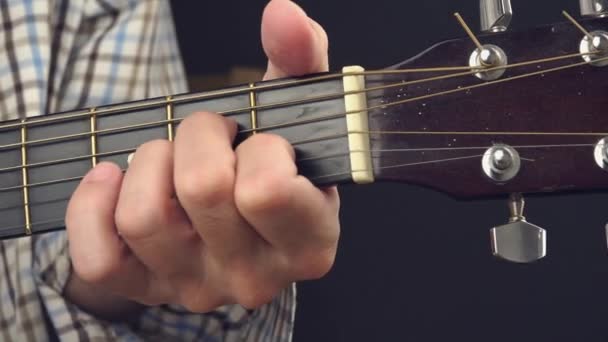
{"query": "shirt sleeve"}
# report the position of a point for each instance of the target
(91, 53)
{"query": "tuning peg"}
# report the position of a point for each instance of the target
(594, 8)
(495, 15)
(518, 241)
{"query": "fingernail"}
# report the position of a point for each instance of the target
(100, 173)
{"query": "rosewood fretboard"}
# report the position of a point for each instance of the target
(43, 159)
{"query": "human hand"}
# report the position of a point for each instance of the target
(199, 224)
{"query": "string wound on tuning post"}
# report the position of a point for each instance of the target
(593, 46)
(468, 30)
(485, 56)
(576, 23)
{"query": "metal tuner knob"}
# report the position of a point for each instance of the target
(495, 15)
(518, 241)
(594, 8)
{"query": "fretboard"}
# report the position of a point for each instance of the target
(43, 159)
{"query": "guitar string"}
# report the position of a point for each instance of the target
(176, 100)
(286, 83)
(441, 93)
(299, 122)
(426, 162)
(440, 149)
(60, 221)
(307, 141)
(370, 132)
(402, 165)
(471, 87)
(448, 149)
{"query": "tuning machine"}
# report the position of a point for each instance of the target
(518, 241)
(495, 15)
(489, 60)
(594, 8)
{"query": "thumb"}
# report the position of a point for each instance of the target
(294, 43)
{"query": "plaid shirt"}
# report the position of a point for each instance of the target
(57, 55)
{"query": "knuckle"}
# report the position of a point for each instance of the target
(263, 193)
(206, 189)
(197, 119)
(135, 222)
(266, 142)
(152, 148)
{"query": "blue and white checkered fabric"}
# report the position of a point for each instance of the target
(57, 55)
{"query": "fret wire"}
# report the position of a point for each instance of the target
(52, 182)
(25, 188)
(87, 134)
(93, 138)
(169, 110)
(186, 98)
(252, 103)
(66, 160)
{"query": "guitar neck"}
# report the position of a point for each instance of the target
(449, 128)
(42, 160)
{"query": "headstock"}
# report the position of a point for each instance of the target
(507, 112)
(544, 100)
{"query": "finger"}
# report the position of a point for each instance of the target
(293, 215)
(98, 253)
(294, 43)
(204, 180)
(149, 217)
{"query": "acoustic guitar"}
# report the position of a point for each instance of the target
(504, 113)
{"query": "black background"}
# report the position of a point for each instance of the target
(415, 265)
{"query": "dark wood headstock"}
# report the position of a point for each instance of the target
(551, 106)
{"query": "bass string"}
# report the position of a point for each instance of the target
(374, 153)
(60, 221)
(307, 141)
